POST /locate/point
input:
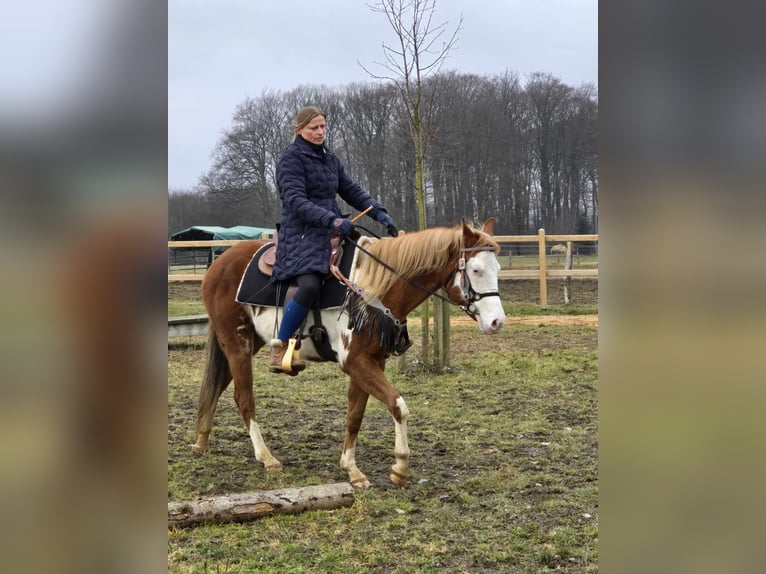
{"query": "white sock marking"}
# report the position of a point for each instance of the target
(401, 448)
(261, 450)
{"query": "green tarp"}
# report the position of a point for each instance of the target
(210, 232)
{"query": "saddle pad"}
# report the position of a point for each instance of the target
(256, 288)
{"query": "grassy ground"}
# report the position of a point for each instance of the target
(504, 459)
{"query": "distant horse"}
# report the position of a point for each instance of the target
(394, 275)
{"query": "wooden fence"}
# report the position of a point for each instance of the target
(542, 273)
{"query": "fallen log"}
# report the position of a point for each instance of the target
(253, 505)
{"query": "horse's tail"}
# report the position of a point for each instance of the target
(215, 380)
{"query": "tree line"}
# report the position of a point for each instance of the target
(524, 153)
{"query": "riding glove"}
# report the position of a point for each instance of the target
(380, 215)
(343, 226)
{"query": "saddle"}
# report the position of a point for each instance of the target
(268, 258)
(269, 254)
(258, 286)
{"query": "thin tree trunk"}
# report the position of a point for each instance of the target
(425, 351)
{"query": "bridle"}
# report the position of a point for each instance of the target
(469, 295)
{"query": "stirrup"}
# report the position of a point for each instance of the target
(287, 357)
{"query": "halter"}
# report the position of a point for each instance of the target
(466, 289)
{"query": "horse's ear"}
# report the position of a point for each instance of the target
(489, 226)
(467, 230)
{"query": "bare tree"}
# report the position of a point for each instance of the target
(421, 51)
(365, 139)
(422, 48)
(243, 176)
(526, 154)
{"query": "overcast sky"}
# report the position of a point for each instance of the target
(222, 51)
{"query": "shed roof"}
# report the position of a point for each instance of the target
(211, 232)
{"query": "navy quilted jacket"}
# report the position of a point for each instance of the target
(309, 177)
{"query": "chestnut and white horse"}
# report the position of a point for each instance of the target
(392, 276)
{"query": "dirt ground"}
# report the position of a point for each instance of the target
(504, 459)
(581, 291)
(504, 452)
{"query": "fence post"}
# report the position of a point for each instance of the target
(568, 267)
(543, 269)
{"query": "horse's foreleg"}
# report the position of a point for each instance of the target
(401, 468)
(357, 403)
(369, 376)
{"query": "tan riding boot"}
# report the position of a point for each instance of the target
(280, 364)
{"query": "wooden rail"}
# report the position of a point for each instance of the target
(541, 273)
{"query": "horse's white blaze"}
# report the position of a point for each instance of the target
(482, 271)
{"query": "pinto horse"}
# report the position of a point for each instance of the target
(392, 276)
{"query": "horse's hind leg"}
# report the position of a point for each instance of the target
(216, 378)
(241, 364)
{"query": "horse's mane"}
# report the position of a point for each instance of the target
(411, 254)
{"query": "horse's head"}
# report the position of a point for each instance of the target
(475, 283)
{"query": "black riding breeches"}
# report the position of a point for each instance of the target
(308, 288)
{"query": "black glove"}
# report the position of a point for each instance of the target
(343, 226)
(386, 221)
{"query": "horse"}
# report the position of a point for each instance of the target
(390, 277)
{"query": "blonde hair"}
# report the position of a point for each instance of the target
(304, 116)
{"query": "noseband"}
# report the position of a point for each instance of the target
(470, 296)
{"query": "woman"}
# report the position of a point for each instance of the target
(309, 176)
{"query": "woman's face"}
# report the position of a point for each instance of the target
(314, 131)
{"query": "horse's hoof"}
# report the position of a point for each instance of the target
(197, 449)
(361, 483)
(275, 466)
(398, 479)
